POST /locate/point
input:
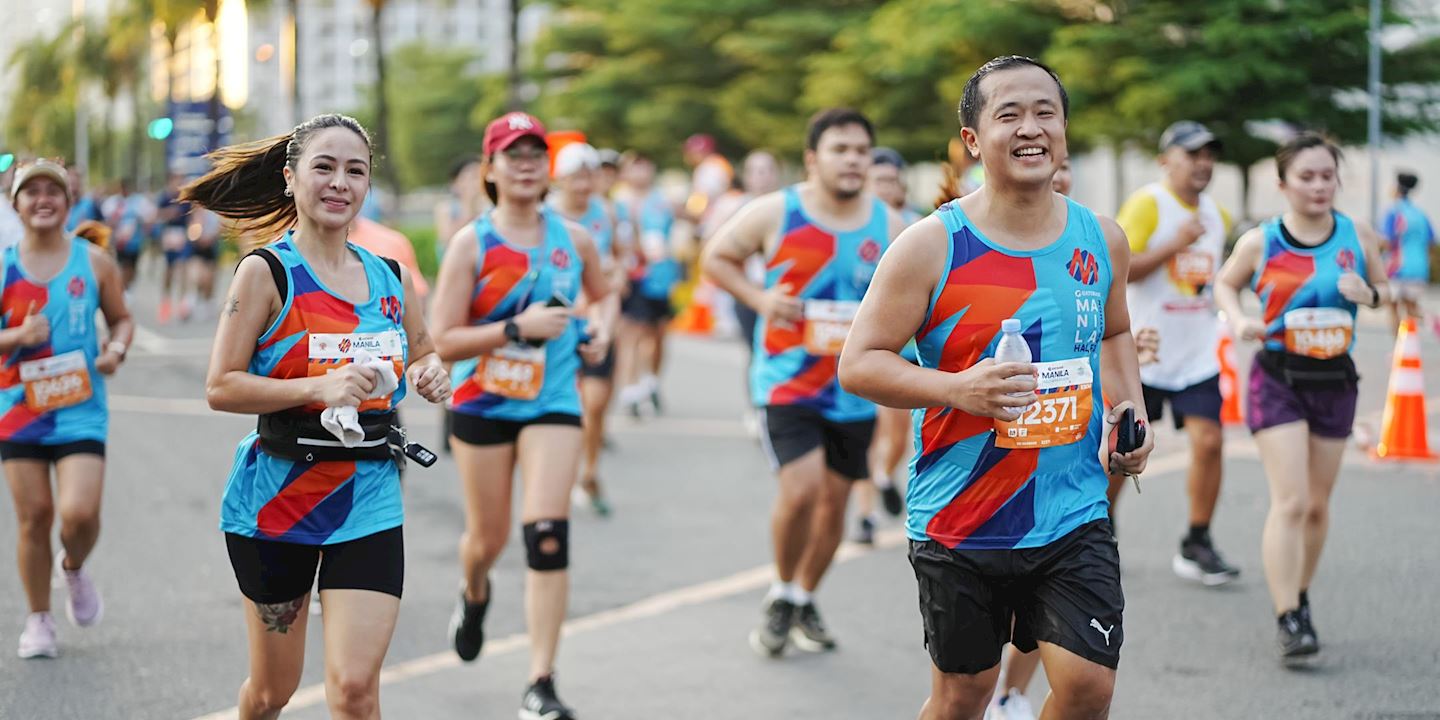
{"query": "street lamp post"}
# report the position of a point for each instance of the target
(82, 115)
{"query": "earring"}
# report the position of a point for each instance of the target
(289, 192)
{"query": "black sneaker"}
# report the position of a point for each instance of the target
(467, 632)
(890, 496)
(1297, 642)
(1200, 562)
(809, 633)
(866, 534)
(1305, 620)
(541, 702)
(769, 639)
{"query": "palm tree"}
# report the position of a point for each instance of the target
(41, 117)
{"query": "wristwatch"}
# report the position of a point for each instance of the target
(512, 330)
(117, 347)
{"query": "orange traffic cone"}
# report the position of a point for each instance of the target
(697, 318)
(1230, 413)
(1402, 431)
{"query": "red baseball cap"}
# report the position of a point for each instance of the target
(502, 132)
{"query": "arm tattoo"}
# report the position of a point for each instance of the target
(233, 306)
(423, 338)
(278, 617)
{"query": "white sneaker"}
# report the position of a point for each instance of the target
(1013, 706)
(38, 639)
(83, 604)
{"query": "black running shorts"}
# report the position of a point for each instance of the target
(50, 453)
(791, 431)
(272, 572)
(1066, 593)
(476, 430)
(1202, 400)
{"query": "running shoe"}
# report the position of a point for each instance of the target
(1199, 561)
(541, 702)
(890, 496)
(467, 631)
(1306, 620)
(809, 633)
(83, 604)
(1297, 643)
(866, 534)
(770, 638)
(38, 639)
(1011, 706)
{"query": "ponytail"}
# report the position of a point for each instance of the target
(246, 182)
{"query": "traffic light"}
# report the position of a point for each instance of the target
(160, 128)
(6, 160)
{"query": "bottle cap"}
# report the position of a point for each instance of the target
(1010, 325)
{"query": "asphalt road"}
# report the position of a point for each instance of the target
(666, 590)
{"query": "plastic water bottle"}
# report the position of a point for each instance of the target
(1012, 348)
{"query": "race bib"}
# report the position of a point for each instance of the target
(1193, 268)
(332, 351)
(513, 371)
(1062, 413)
(652, 245)
(827, 323)
(55, 382)
(1320, 333)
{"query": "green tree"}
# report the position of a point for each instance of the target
(1234, 63)
(435, 92)
(41, 117)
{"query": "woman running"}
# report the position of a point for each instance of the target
(1310, 268)
(577, 166)
(52, 395)
(503, 313)
(318, 338)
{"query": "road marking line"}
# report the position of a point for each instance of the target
(645, 608)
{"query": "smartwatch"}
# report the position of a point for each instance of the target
(512, 330)
(119, 348)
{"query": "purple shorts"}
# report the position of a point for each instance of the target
(1329, 411)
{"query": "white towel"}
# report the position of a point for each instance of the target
(344, 422)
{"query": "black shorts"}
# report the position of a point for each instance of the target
(209, 253)
(605, 370)
(791, 431)
(477, 430)
(648, 310)
(1067, 593)
(1201, 400)
(271, 572)
(50, 453)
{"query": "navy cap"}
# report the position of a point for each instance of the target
(887, 156)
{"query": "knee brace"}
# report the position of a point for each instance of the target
(547, 544)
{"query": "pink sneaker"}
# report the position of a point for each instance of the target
(83, 605)
(38, 640)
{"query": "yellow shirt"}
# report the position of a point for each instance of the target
(1140, 215)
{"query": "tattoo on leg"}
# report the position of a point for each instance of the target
(278, 617)
(233, 306)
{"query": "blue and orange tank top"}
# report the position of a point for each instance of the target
(830, 271)
(51, 394)
(651, 220)
(518, 382)
(976, 483)
(1299, 290)
(1410, 235)
(325, 502)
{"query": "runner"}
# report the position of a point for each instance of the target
(1409, 235)
(52, 392)
(1007, 510)
(886, 180)
(503, 313)
(1177, 238)
(822, 239)
(464, 203)
(203, 235)
(85, 207)
(173, 229)
(1310, 268)
(576, 168)
(315, 486)
(654, 272)
(129, 214)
